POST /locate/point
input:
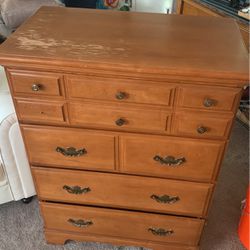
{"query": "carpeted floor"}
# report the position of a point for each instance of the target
(21, 225)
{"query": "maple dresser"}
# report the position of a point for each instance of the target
(126, 118)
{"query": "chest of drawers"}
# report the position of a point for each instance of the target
(126, 121)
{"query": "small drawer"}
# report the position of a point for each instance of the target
(171, 157)
(128, 192)
(119, 117)
(62, 147)
(121, 90)
(202, 125)
(122, 224)
(44, 112)
(209, 98)
(36, 83)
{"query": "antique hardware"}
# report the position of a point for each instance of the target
(120, 95)
(169, 160)
(160, 231)
(71, 151)
(120, 122)
(201, 130)
(165, 199)
(76, 189)
(36, 87)
(209, 102)
(80, 223)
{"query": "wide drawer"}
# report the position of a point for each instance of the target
(171, 157)
(130, 192)
(121, 90)
(36, 83)
(44, 112)
(119, 117)
(199, 125)
(208, 98)
(116, 223)
(61, 147)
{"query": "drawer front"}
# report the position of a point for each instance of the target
(171, 157)
(63, 147)
(36, 83)
(46, 112)
(121, 90)
(209, 98)
(116, 223)
(130, 192)
(119, 117)
(202, 125)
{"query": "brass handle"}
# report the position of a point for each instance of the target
(76, 189)
(160, 231)
(80, 223)
(71, 151)
(120, 95)
(169, 160)
(209, 102)
(120, 122)
(165, 199)
(202, 130)
(36, 87)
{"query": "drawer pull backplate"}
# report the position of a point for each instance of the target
(80, 223)
(76, 189)
(165, 199)
(170, 160)
(71, 151)
(160, 231)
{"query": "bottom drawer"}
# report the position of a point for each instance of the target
(122, 224)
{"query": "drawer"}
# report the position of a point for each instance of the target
(124, 224)
(129, 192)
(61, 237)
(209, 98)
(36, 83)
(62, 147)
(44, 112)
(121, 90)
(119, 117)
(202, 125)
(171, 157)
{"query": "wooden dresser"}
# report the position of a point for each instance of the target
(126, 118)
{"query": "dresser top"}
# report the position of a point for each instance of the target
(129, 42)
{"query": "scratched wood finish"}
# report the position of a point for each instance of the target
(124, 224)
(148, 44)
(133, 193)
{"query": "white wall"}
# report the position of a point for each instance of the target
(154, 6)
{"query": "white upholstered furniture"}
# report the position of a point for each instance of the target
(15, 178)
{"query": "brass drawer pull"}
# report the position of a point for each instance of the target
(202, 130)
(120, 95)
(160, 231)
(36, 87)
(209, 103)
(76, 189)
(120, 122)
(71, 151)
(80, 223)
(165, 199)
(169, 160)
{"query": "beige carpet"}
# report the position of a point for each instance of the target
(21, 225)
